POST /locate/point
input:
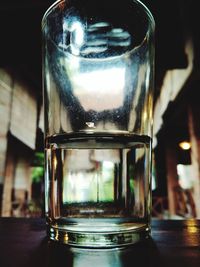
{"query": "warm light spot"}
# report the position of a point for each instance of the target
(192, 227)
(66, 238)
(185, 145)
(55, 163)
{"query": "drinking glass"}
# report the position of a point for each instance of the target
(98, 73)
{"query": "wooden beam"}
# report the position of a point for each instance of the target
(8, 185)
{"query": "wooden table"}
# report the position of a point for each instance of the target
(23, 242)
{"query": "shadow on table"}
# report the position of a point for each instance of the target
(54, 254)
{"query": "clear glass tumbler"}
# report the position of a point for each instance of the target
(98, 73)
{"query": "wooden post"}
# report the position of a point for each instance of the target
(5, 109)
(172, 181)
(195, 158)
(8, 185)
(3, 150)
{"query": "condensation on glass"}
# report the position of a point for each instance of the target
(98, 72)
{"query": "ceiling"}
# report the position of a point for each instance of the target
(20, 31)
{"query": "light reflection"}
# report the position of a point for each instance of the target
(106, 80)
(79, 33)
(55, 163)
(192, 234)
(95, 184)
(192, 226)
(76, 35)
(108, 164)
(98, 258)
(97, 89)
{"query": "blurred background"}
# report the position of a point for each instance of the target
(176, 141)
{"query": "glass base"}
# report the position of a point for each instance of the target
(97, 239)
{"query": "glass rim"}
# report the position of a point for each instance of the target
(49, 9)
(145, 8)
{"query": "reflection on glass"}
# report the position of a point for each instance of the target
(88, 178)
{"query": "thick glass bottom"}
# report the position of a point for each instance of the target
(98, 239)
